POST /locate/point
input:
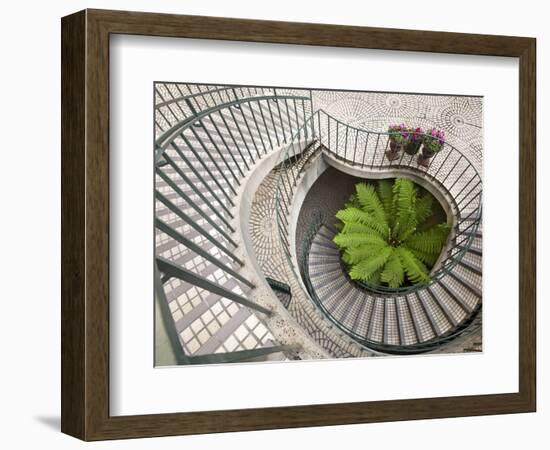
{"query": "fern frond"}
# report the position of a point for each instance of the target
(429, 241)
(393, 273)
(355, 215)
(375, 277)
(348, 240)
(414, 268)
(370, 202)
(385, 192)
(407, 225)
(355, 254)
(427, 258)
(423, 208)
(356, 227)
(404, 198)
(405, 193)
(367, 268)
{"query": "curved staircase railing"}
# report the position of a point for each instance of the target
(207, 141)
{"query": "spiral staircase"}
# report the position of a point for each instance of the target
(233, 166)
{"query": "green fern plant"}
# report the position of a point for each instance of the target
(383, 235)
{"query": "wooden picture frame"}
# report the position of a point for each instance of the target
(85, 224)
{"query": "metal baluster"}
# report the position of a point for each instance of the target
(250, 133)
(218, 150)
(273, 123)
(186, 179)
(169, 268)
(296, 114)
(213, 240)
(458, 178)
(280, 117)
(164, 117)
(346, 146)
(385, 150)
(197, 249)
(457, 196)
(233, 139)
(227, 146)
(303, 118)
(211, 94)
(265, 124)
(452, 170)
(355, 145)
(201, 142)
(337, 137)
(194, 205)
(375, 150)
(443, 163)
(159, 125)
(242, 135)
(204, 164)
(167, 105)
(257, 127)
(288, 118)
(199, 176)
(328, 125)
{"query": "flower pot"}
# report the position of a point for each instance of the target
(425, 157)
(412, 148)
(393, 152)
(427, 153)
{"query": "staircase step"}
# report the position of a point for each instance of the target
(376, 324)
(361, 321)
(407, 329)
(468, 285)
(351, 302)
(438, 316)
(391, 324)
(424, 328)
(471, 267)
(454, 310)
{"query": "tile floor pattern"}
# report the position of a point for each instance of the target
(460, 117)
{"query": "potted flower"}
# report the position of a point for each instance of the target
(433, 141)
(398, 141)
(414, 140)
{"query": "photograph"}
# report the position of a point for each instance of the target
(296, 224)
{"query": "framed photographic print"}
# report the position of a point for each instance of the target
(270, 224)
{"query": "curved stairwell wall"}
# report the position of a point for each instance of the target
(270, 253)
(255, 204)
